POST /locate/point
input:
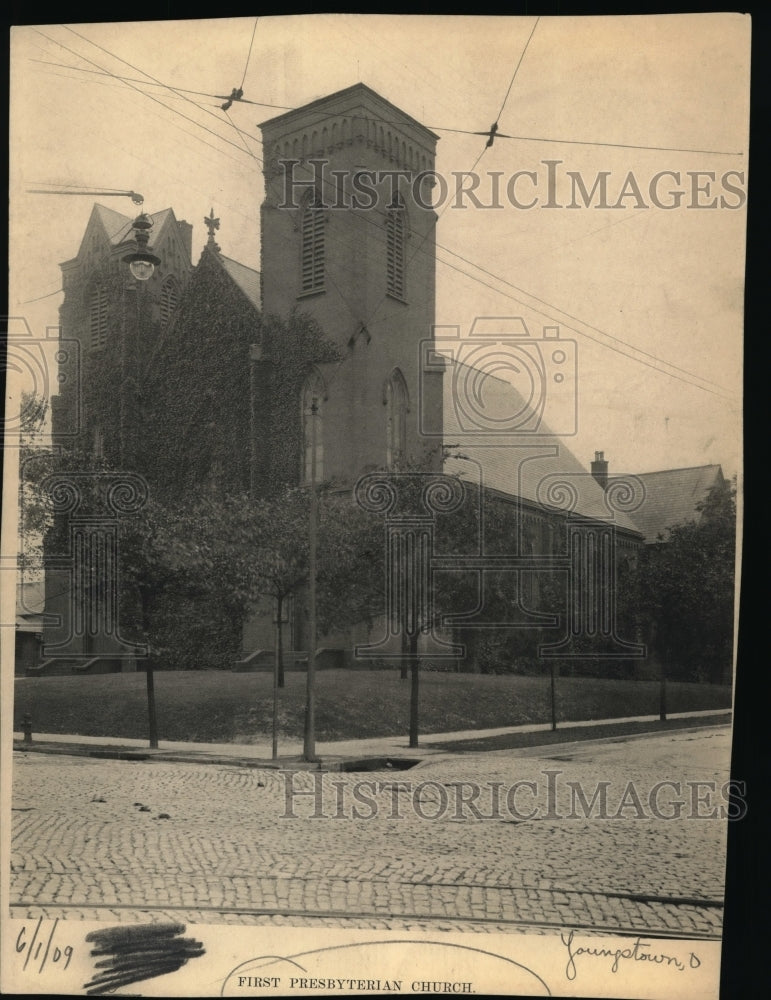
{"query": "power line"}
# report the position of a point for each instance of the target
(516, 68)
(144, 93)
(40, 297)
(155, 80)
(246, 67)
(179, 91)
(438, 246)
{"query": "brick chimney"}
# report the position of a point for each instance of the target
(600, 469)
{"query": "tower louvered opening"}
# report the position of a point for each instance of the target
(313, 247)
(98, 317)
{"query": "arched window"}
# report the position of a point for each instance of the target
(98, 317)
(397, 405)
(396, 237)
(313, 245)
(312, 427)
(169, 298)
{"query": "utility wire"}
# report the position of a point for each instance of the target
(40, 297)
(155, 80)
(445, 249)
(179, 91)
(516, 68)
(246, 67)
(152, 83)
(151, 97)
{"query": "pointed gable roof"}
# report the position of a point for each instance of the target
(116, 225)
(671, 497)
(116, 228)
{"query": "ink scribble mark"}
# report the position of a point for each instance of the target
(133, 953)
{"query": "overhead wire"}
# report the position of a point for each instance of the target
(628, 348)
(180, 91)
(516, 68)
(249, 54)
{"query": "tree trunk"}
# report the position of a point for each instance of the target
(414, 689)
(280, 643)
(553, 693)
(150, 674)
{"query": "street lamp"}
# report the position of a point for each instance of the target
(309, 735)
(141, 262)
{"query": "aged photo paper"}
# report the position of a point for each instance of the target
(372, 466)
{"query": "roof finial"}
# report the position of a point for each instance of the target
(211, 224)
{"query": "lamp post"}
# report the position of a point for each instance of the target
(309, 736)
(142, 264)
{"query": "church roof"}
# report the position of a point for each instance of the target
(247, 279)
(358, 96)
(671, 497)
(118, 226)
(545, 473)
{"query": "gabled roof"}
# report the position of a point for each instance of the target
(117, 227)
(671, 497)
(247, 279)
(547, 474)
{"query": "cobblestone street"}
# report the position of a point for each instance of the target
(455, 843)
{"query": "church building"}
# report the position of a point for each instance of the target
(209, 376)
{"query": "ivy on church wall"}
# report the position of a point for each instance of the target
(197, 389)
(292, 348)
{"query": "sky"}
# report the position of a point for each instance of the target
(651, 295)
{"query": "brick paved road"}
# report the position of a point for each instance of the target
(84, 845)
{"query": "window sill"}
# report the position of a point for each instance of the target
(397, 298)
(312, 293)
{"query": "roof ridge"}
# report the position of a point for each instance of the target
(682, 468)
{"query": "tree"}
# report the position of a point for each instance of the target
(252, 549)
(686, 588)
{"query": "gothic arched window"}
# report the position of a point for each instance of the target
(169, 298)
(312, 427)
(396, 241)
(397, 405)
(97, 314)
(313, 245)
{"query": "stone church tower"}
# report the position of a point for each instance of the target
(348, 235)
(111, 316)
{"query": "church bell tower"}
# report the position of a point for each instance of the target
(348, 236)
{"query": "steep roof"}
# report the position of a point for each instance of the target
(546, 473)
(671, 497)
(247, 279)
(118, 226)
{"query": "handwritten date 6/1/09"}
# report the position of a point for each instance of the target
(39, 948)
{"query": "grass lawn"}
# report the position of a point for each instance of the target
(224, 707)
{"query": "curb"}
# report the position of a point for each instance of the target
(359, 763)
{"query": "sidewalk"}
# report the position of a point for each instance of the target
(332, 754)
